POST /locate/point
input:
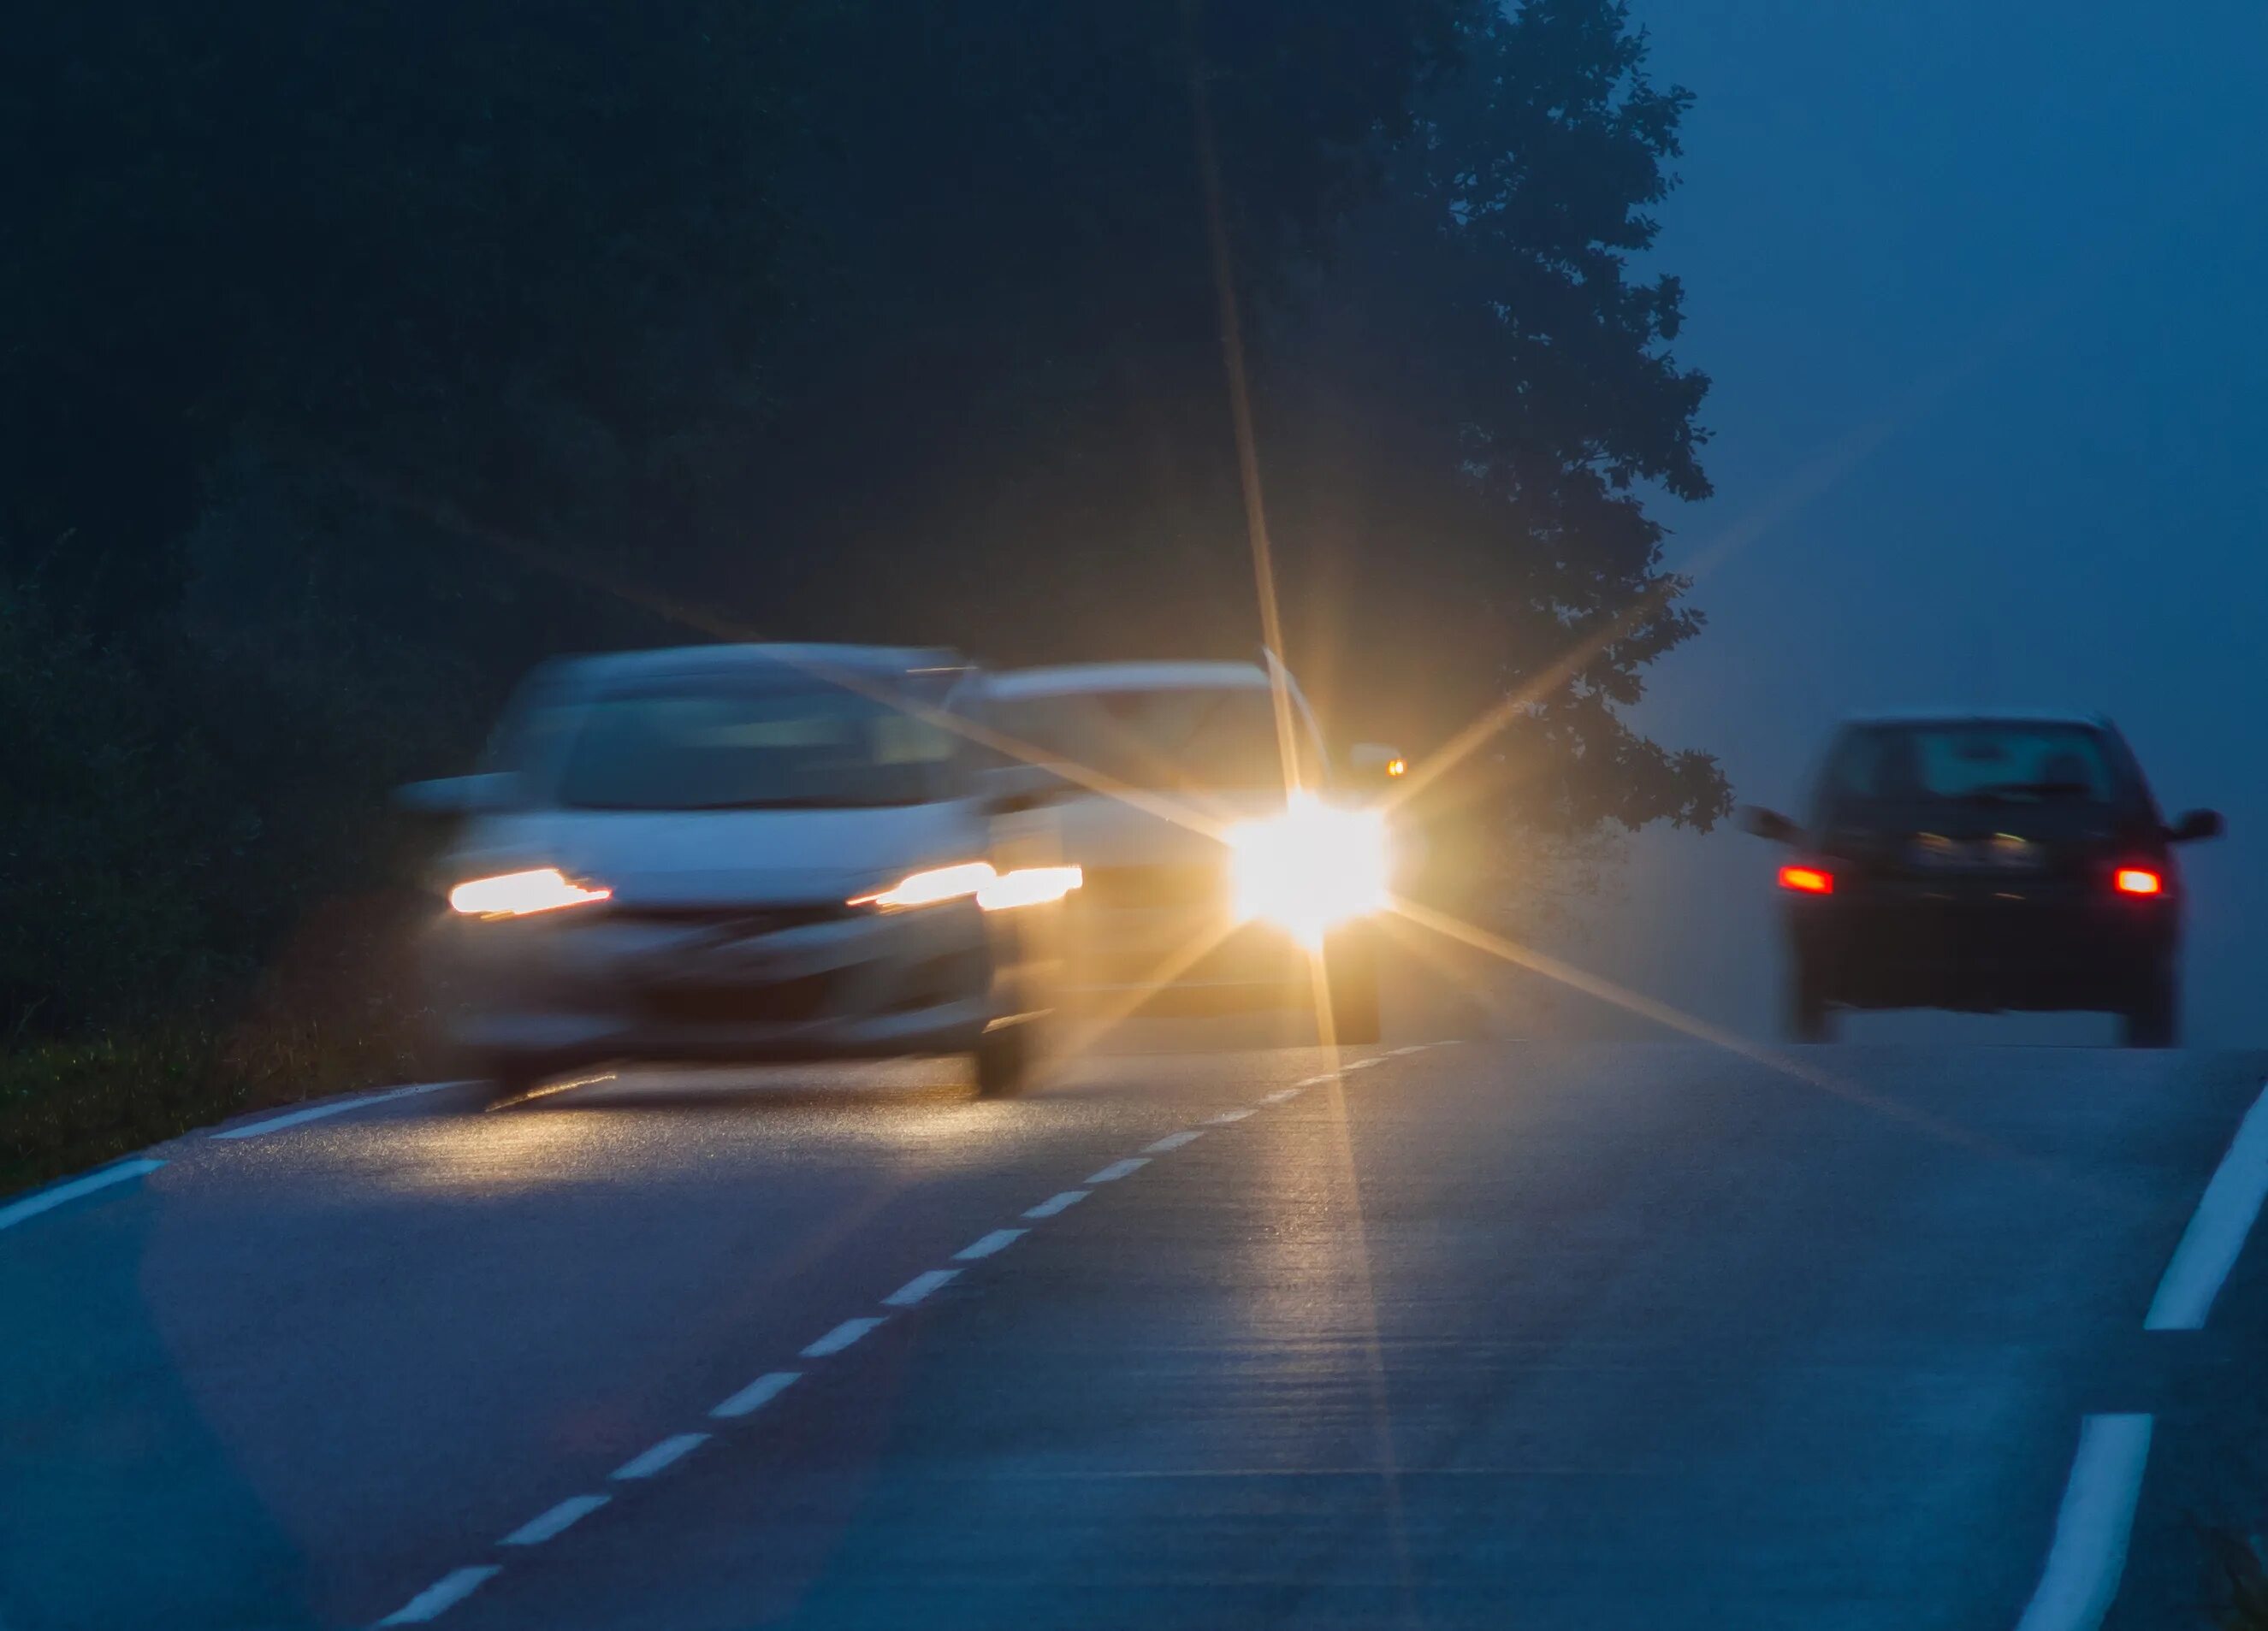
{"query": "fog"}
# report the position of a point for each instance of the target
(1980, 290)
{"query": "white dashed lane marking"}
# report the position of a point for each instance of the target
(920, 1286)
(455, 1587)
(47, 1200)
(998, 1240)
(1054, 1204)
(1171, 1141)
(442, 1596)
(669, 1452)
(757, 1394)
(537, 1530)
(2215, 1238)
(840, 1338)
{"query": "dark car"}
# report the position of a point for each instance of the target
(1983, 865)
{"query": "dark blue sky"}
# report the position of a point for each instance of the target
(1980, 286)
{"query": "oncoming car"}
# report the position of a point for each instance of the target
(1208, 885)
(1983, 863)
(730, 853)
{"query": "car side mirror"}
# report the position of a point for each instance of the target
(459, 795)
(1770, 824)
(2195, 824)
(1377, 763)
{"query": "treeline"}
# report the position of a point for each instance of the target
(354, 355)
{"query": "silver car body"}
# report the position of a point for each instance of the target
(729, 934)
(1154, 919)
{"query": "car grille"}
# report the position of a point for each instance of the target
(736, 922)
(782, 1002)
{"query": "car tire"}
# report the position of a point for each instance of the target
(2153, 1017)
(1810, 1017)
(506, 1080)
(1350, 973)
(1005, 1061)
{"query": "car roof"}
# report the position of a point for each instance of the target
(670, 661)
(1073, 678)
(1981, 716)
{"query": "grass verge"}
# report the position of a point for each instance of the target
(67, 1105)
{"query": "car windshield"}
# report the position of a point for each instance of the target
(742, 745)
(1189, 739)
(1981, 762)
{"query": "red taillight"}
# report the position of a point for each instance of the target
(1807, 880)
(2139, 880)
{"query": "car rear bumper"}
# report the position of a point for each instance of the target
(868, 985)
(1983, 955)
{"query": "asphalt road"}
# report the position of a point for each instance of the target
(1492, 1335)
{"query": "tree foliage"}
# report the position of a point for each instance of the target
(351, 356)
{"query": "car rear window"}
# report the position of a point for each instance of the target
(1970, 761)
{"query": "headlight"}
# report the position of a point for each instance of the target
(1030, 886)
(1310, 869)
(994, 890)
(516, 894)
(931, 886)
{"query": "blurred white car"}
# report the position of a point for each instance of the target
(730, 853)
(1215, 877)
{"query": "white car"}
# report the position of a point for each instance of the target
(728, 854)
(1210, 885)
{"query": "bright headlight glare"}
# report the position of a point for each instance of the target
(1030, 886)
(1311, 868)
(933, 886)
(517, 894)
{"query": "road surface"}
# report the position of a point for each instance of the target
(1491, 1333)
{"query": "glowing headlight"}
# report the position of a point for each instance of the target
(994, 890)
(931, 886)
(516, 894)
(1030, 886)
(1310, 869)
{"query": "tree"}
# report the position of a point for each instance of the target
(516, 258)
(1474, 403)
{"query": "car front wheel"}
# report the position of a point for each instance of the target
(1004, 1061)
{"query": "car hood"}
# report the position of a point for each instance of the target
(726, 857)
(1094, 830)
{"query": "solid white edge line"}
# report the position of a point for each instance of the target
(998, 1240)
(840, 1338)
(2088, 1552)
(1117, 1170)
(1171, 1141)
(1281, 1094)
(47, 1200)
(757, 1394)
(2217, 1230)
(1054, 1204)
(541, 1527)
(443, 1595)
(919, 1287)
(337, 1106)
(647, 1462)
